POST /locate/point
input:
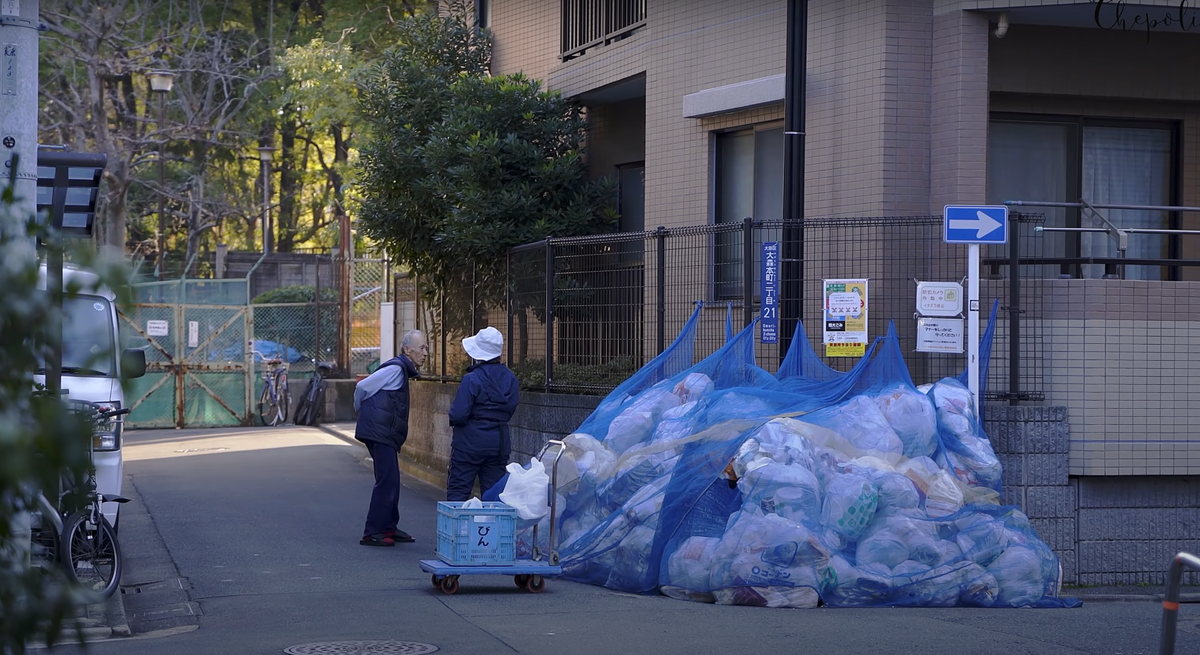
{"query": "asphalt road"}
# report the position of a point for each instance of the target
(262, 525)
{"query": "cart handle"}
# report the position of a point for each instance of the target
(551, 500)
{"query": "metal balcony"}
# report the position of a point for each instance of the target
(590, 23)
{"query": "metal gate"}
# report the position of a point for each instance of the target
(197, 365)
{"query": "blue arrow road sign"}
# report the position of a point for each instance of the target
(976, 224)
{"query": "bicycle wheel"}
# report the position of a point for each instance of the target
(285, 398)
(268, 408)
(45, 543)
(301, 415)
(91, 553)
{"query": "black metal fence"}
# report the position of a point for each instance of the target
(584, 313)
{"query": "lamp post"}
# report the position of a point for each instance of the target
(160, 84)
(264, 155)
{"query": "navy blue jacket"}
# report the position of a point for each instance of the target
(481, 410)
(383, 415)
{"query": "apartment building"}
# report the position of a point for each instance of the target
(916, 104)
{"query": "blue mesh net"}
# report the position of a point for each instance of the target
(720, 482)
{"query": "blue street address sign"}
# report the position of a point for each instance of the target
(770, 292)
(975, 224)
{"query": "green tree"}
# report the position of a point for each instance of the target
(38, 441)
(458, 165)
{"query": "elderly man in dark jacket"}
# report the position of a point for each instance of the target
(480, 413)
(382, 400)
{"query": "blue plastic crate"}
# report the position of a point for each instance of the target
(481, 536)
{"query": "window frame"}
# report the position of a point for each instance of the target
(1077, 123)
(714, 184)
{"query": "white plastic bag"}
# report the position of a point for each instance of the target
(690, 565)
(912, 415)
(693, 387)
(863, 425)
(955, 407)
(473, 503)
(1018, 572)
(526, 490)
(789, 490)
(637, 422)
(849, 505)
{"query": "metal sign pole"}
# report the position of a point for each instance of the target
(973, 323)
(974, 225)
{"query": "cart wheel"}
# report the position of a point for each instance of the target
(535, 584)
(521, 579)
(437, 582)
(449, 584)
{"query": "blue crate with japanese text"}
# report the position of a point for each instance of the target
(478, 536)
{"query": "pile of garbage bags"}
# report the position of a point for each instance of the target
(722, 483)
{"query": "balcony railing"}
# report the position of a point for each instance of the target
(590, 23)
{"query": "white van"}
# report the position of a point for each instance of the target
(92, 371)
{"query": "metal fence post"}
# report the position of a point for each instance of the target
(442, 325)
(549, 314)
(661, 302)
(1014, 315)
(317, 311)
(508, 303)
(747, 270)
(248, 362)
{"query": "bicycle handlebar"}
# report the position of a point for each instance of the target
(269, 362)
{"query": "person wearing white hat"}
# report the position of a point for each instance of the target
(479, 415)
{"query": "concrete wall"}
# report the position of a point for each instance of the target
(1105, 530)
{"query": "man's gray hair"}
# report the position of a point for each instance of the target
(409, 337)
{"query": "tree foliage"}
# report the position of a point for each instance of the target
(38, 440)
(237, 86)
(458, 165)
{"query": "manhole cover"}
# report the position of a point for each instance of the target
(362, 647)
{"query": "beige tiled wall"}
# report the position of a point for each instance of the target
(899, 94)
(525, 37)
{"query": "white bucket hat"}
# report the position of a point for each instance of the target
(485, 346)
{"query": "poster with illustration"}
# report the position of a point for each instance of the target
(845, 330)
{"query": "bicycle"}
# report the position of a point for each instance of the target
(274, 400)
(311, 408)
(82, 541)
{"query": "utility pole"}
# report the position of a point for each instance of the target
(796, 79)
(19, 27)
(18, 145)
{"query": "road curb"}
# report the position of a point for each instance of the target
(407, 466)
(1129, 598)
(114, 614)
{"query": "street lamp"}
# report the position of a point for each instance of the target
(160, 84)
(264, 155)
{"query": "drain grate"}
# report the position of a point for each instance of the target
(362, 648)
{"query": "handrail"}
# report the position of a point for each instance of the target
(1166, 644)
(1080, 205)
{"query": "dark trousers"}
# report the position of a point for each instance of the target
(466, 466)
(384, 512)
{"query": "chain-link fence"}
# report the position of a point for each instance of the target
(207, 340)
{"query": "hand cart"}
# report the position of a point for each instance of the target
(528, 574)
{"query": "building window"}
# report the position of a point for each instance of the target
(1102, 162)
(483, 14)
(748, 183)
(590, 23)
